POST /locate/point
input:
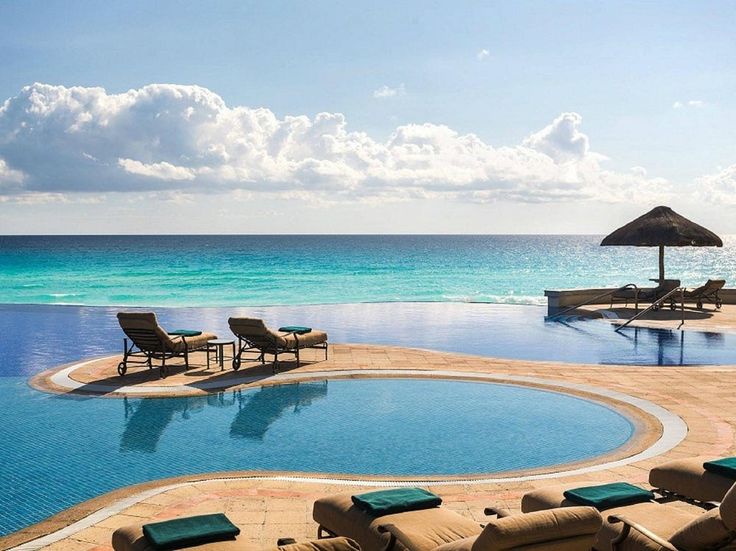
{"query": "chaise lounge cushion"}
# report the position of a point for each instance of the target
(256, 331)
(688, 477)
(148, 321)
(304, 340)
(131, 538)
(662, 519)
(702, 533)
(571, 527)
(425, 529)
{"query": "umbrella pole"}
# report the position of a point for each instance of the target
(661, 263)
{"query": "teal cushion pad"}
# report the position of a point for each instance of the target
(298, 329)
(185, 332)
(607, 496)
(399, 500)
(725, 467)
(188, 531)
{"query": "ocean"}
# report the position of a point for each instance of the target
(261, 270)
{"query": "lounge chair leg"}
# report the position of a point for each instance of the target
(162, 369)
(297, 357)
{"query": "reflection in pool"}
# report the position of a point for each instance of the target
(68, 449)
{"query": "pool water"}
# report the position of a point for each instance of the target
(65, 450)
(58, 451)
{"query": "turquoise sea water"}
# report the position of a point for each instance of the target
(272, 270)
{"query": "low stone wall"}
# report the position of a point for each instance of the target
(561, 299)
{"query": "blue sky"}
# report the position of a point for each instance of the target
(651, 85)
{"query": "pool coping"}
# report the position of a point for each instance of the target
(673, 431)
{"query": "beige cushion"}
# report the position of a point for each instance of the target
(327, 544)
(688, 478)
(131, 538)
(256, 331)
(580, 524)
(663, 520)
(418, 530)
(704, 532)
(305, 340)
(728, 508)
(173, 343)
(464, 544)
(549, 497)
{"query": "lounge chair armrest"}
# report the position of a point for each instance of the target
(497, 511)
(643, 530)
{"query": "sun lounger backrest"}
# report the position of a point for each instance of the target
(710, 530)
(712, 285)
(569, 528)
(255, 331)
(145, 332)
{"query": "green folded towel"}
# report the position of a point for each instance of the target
(183, 532)
(725, 467)
(298, 329)
(387, 502)
(609, 495)
(185, 332)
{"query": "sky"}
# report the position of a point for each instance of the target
(340, 117)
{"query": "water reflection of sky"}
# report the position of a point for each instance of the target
(36, 337)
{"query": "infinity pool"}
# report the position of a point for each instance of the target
(36, 337)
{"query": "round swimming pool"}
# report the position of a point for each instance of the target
(82, 447)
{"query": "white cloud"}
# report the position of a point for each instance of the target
(388, 92)
(162, 170)
(561, 140)
(482, 54)
(694, 103)
(185, 139)
(718, 188)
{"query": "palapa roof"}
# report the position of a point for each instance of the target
(663, 226)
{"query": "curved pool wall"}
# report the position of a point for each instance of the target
(79, 448)
(37, 337)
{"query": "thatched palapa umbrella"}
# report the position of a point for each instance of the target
(662, 227)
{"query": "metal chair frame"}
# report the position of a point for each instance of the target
(151, 347)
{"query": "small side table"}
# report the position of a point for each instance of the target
(218, 347)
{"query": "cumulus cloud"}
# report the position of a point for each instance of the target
(719, 188)
(184, 139)
(388, 92)
(163, 170)
(695, 103)
(482, 54)
(9, 177)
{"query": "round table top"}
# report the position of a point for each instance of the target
(221, 341)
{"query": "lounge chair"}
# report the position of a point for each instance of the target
(706, 293)
(687, 479)
(664, 287)
(254, 336)
(131, 538)
(651, 526)
(626, 294)
(441, 529)
(153, 342)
